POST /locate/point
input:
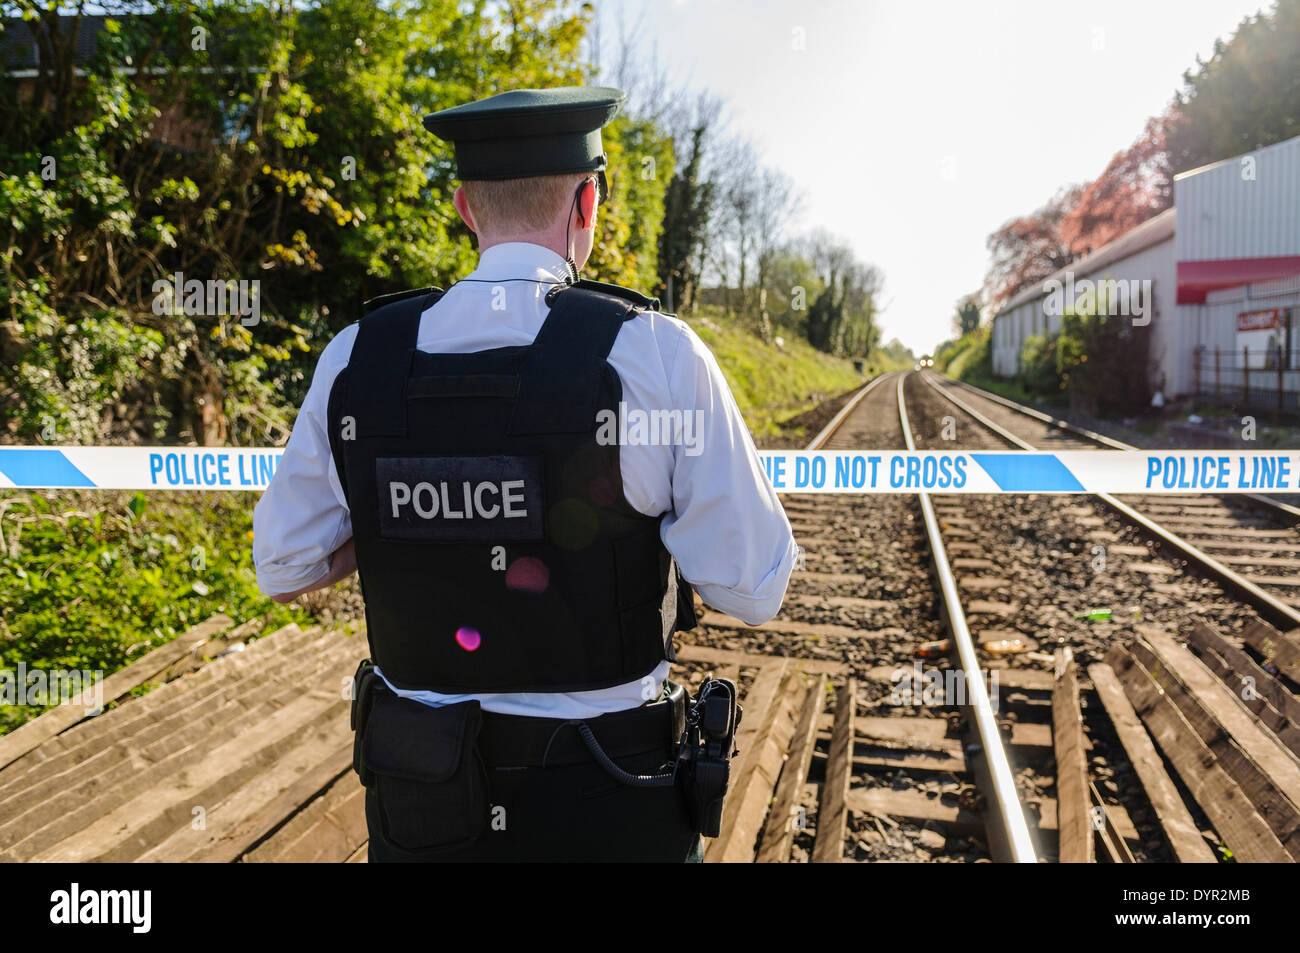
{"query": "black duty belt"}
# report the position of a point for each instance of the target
(517, 741)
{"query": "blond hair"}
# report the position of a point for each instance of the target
(532, 203)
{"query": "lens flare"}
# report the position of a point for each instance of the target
(528, 574)
(468, 639)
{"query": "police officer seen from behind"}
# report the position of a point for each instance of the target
(525, 470)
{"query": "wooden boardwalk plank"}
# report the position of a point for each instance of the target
(778, 832)
(708, 655)
(832, 810)
(1273, 704)
(1074, 816)
(1265, 771)
(1277, 648)
(26, 737)
(764, 728)
(1180, 830)
(1229, 810)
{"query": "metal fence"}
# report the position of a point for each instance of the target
(1258, 377)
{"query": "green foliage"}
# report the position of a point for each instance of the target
(895, 356)
(688, 204)
(818, 286)
(286, 149)
(90, 580)
(1244, 96)
(968, 357)
(1039, 373)
(1103, 363)
(771, 382)
(630, 222)
(967, 318)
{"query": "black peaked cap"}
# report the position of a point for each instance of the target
(529, 132)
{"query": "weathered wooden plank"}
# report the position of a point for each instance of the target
(59, 719)
(915, 806)
(1222, 800)
(235, 839)
(878, 757)
(1175, 820)
(264, 800)
(763, 730)
(832, 809)
(1275, 706)
(167, 807)
(787, 627)
(1264, 770)
(933, 732)
(778, 832)
(1074, 810)
(705, 654)
(1108, 834)
(331, 829)
(1276, 648)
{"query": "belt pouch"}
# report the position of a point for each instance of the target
(428, 774)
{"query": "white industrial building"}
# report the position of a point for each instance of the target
(1215, 281)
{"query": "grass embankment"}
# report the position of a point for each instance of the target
(772, 383)
(93, 580)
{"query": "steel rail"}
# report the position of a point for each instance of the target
(1274, 610)
(847, 409)
(1010, 829)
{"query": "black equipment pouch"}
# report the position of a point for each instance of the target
(712, 720)
(427, 771)
(363, 684)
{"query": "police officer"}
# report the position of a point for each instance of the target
(526, 470)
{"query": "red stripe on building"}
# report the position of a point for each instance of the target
(1196, 278)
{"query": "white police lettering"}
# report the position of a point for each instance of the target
(466, 500)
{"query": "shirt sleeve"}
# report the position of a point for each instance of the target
(727, 528)
(303, 515)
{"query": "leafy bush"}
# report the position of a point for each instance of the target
(1038, 371)
(969, 358)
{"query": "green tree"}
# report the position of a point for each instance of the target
(1246, 95)
(234, 140)
(967, 318)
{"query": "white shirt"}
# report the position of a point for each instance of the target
(722, 520)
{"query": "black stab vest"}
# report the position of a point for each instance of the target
(496, 549)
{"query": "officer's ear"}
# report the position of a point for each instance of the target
(461, 201)
(588, 197)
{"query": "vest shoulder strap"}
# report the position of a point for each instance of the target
(560, 379)
(380, 301)
(381, 357)
(644, 302)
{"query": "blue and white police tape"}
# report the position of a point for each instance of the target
(137, 468)
(792, 471)
(1018, 471)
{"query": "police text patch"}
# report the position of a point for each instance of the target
(460, 499)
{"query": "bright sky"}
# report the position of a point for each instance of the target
(916, 128)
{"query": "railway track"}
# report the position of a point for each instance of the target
(1250, 542)
(1153, 664)
(951, 678)
(1117, 662)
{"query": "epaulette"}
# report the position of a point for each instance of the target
(617, 291)
(382, 300)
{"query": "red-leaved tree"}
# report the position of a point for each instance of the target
(1029, 248)
(1136, 185)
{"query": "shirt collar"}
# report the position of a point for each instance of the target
(521, 260)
